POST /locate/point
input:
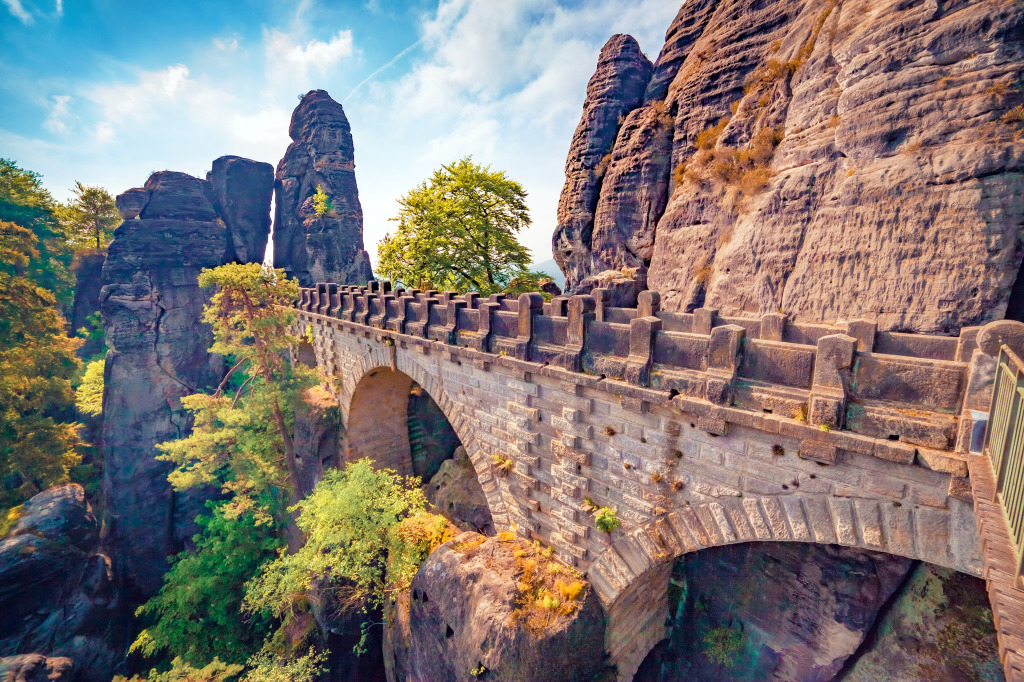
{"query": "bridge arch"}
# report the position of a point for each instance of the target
(373, 390)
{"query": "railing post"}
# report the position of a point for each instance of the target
(601, 299)
(451, 327)
(864, 331)
(559, 306)
(723, 360)
(833, 358)
(334, 298)
(529, 306)
(648, 304)
(581, 313)
(773, 327)
(486, 309)
(641, 349)
(704, 320)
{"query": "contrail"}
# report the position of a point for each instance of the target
(390, 63)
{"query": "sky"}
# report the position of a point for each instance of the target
(107, 91)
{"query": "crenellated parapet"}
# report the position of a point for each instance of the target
(843, 386)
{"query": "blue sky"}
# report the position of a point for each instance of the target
(106, 91)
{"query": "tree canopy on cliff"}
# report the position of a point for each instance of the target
(90, 217)
(37, 363)
(458, 230)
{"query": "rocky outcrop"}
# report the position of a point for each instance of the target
(36, 668)
(61, 609)
(615, 89)
(151, 306)
(240, 190)
(939, 628)
(771, 611)
(326, 248)
(456, 493)
(88, 269)
(852, 158)
(316, 439)
(465, 617)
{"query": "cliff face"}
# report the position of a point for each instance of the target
(151, 304)
(88, 269)
(833, 160)
(328, 248)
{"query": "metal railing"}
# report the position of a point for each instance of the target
(1004, 442)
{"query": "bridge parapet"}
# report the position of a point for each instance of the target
(905, 398)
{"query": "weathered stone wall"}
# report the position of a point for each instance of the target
(683, 473)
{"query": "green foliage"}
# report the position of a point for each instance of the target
(197, 614)
(722, 645)
(182, 672)
(90, 217)
(242, 436)
(321, 202)
(37, 364)
(89, 397)
(267, 667)
(11, 518)
(24, 202)
(366, 534)
(94, 330)
(458, 231)
(606, 520)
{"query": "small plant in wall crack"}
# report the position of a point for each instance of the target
(606, 520)
(478, 671)
(588, 505)
(503, 465)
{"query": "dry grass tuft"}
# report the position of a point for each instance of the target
(546, 588)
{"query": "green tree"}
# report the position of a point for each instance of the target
(37, 364)
(24, 202)
(89, 396)
(458, 231)
(242, 435)
(197, 614)
(321, 202)
(182, 672)
(367, 532)
(90, 217)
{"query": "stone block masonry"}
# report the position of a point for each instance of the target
(698, 431)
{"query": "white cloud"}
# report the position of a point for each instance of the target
(226, 44)
(59, 9)
(144, 98)
(103, 133)
(59, 111)
(18, 10)
(283, 50)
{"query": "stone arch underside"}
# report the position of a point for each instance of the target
(373, 389)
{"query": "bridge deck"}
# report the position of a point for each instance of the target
(1000, 569)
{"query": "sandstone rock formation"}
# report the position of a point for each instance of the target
(88, 269)
(615, 89)
(240, 190)
(792, 611)
(61, 609)
(830, 159)
(455, 492)
(151, 305)
(459, 616)
(328, 248)
(939, 628)
(36, 668)
(316, 439)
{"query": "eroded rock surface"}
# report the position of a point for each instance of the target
(88, 269)
(327, 248)
(458, 617)
(240, 190)
(771, 611)
(61, 609)
(867, 161)
(939, 628)
(151, 305)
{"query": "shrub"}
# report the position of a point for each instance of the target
(89, 396)
(722, 645)
(1015, 115)
(606, 520)
(321, 202)
(503, 465)
(707, 138)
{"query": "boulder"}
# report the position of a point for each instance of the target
(36, 668)
(465, 616)
(88, 269)
(58, 595)
(801, 156)
(326, 248)
(771, 611)
(455, 492)
(939, 628)
(131, 202)
(240, 190)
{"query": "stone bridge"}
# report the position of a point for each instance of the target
(699, 430)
